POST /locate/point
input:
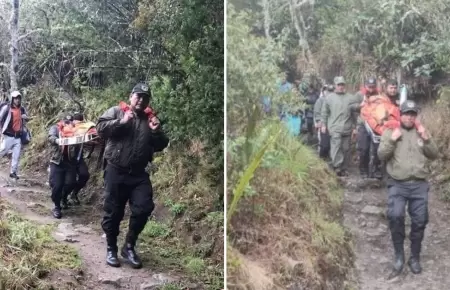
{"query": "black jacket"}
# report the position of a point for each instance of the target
(129, 146)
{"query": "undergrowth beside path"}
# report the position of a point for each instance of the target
(287, 230)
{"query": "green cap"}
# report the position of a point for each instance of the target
(339, 80)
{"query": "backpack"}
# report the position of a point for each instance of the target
(25, 138)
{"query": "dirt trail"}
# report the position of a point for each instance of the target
(365, 215)
(32, 199)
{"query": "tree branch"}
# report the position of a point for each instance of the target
(29, 33)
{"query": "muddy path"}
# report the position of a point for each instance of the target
(365, 208)
(31, 198)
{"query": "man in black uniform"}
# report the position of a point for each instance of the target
(131, 140)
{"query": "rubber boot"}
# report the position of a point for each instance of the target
(56, 211)
(130, 255)
(111, 256)
(399, 261)
(414, 260)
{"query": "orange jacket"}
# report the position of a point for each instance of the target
(380, 113)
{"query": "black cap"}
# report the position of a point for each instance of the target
(142, 89)
(371, 81)
(409, 106)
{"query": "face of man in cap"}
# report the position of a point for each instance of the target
(409, 114)
(140, 98)
(340, 84)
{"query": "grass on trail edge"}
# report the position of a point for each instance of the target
(287, 229)
(29, 252)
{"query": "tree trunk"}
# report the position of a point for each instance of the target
(267, 20)
(13, 49)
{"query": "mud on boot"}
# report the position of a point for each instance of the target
(111, 257)
(414, 265)
(129, 254)
(56, 211)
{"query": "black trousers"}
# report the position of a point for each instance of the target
(365, 153)
(62, 178)
(324, 145)
(415, 194)
(122, 187)
(82, 177)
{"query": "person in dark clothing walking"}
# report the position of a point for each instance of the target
(62, 177)
(311, 99)
(406, 150)
(82, 172)
(132, 136)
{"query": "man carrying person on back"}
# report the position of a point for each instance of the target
(406, 149)
(132, 135)
(12, 117)
(337, 120)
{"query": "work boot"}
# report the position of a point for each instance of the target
(399, 261)
(414, 265)
(56, 211)
(111, 257)
(14, 176)
(74, 198)
(130, 255)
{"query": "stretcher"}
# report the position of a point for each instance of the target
(83, 132)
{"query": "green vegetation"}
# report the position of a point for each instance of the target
(86, 56)
(284, 217)
(29, 253)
